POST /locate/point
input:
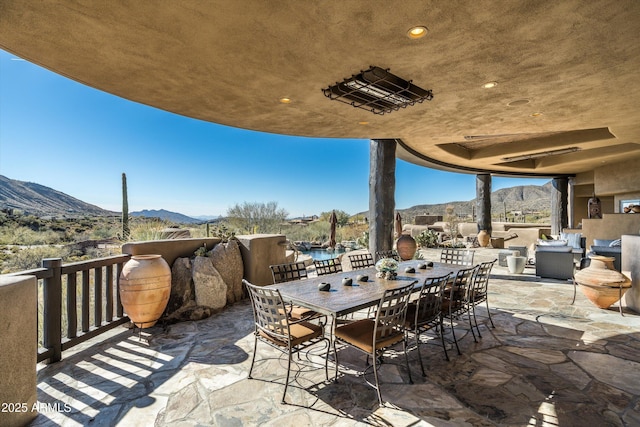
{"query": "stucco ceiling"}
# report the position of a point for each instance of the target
(567, 71)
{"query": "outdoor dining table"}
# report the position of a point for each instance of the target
(341, 300)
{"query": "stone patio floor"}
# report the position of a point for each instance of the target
(547, 363)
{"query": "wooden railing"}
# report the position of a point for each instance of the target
(90, 287)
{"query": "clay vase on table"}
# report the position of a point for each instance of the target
(145, 287)
(601, 283)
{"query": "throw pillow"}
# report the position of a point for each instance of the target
(573, 239)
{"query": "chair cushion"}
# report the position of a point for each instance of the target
(602, 242)
(554, 248)
(298, 312)
(300, 332)
(542, 242)
(360, 334)
(573, 239)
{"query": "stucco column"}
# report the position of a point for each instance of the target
(559, 203)
(382, 187)
(483, 201)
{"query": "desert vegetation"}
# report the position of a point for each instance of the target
(26, 239)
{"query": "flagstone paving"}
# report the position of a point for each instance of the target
(547, 363)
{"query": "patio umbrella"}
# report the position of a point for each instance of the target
(398, 225)
(333, 221)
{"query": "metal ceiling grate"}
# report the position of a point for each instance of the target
(378, 91)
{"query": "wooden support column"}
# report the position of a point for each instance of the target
(382, 187)
(483, 201)
(571, 208)
(559, 204)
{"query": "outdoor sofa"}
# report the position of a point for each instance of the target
(610, 248)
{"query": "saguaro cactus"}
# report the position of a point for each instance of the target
(125, 209)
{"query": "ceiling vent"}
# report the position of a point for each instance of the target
(378, 91)
(541, 154)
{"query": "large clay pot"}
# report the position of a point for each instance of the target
(601, 283)
(145, 286)
(406, 247)
(483, 238)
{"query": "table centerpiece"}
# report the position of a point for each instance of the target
(387, 268)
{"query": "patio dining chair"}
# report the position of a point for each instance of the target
(374, 336)
(274, 328)
(425, 314)
(327, 266)
(359, 261)
(282, 273)
(462, 257)
(479, 291)
(287, 272)
(455, 302)
(387, 254)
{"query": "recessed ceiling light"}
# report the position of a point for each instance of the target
(363, 123)
(536, 114)
(489, 85)
(518, 102)
(285, 100)
(417, 32)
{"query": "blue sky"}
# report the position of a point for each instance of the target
(78, 140)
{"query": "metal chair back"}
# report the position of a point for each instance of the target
(327, 266)
(387, 254)
(359, 261)
(287, 272)
(457, 256)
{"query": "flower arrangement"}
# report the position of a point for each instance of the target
(387, 268)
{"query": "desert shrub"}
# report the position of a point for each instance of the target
(27, 237)
(143, 230)
(427, 239)
(30, 258)
(104, 232)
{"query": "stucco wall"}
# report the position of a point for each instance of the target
(169, 249)
(611, 226)
(631, 267)
(617, 178)
(18, 349)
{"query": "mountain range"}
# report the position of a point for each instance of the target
(167, 215)
(39, 200)
(523, 198)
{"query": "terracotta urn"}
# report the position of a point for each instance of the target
(145, 287)
(483, 238)
(406, 247)
(601, 283)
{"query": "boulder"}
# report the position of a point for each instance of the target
(190, 311)
(182, 304)
(227, 260)
(209, 285)
(182, 291)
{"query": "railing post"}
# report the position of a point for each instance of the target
(52, 293)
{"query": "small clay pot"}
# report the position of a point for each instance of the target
(430, 264)
(362, 278)
(422, 266)
(324, 286)
(347, 281)
(409, 270)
